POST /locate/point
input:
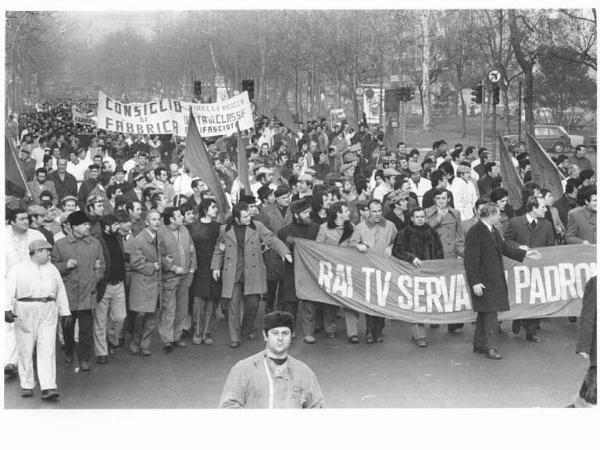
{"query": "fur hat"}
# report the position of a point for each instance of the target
(277, 319)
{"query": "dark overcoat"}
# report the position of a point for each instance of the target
(586, 329)
(484, 264)
(145, 278)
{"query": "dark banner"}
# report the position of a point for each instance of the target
(369, 283)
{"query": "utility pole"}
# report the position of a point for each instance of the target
(520, 99)
(482, 109)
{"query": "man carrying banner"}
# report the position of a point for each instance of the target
(416, 243)
(484, 268)
(529, 231)
(376, 234)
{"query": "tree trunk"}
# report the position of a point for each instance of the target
(425, 66)
(463, 110)
(506, 110)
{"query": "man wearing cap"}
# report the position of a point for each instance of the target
(18, 236)
(35, 297)
(418, 184)
(275, 217)
(80, 260)
(88, 185)
(26, 163)
(238, 259)
(304, 228)
(271, 378)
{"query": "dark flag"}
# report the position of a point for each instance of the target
(242, 161)
(389, 139)
(510, 178)
(199, 164)
(543, 170)
(15, 183)
(282, 113)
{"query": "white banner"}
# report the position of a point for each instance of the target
(167, 116)
(79, 117)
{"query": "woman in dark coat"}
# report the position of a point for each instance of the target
(205, 289)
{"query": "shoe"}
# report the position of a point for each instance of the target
(353, 339)
(145, 352)
(516, 326)
(421, 343)
(196, 340)
(234, 344)
(572, 319)
(50, 394)
(84, 366)
(309, 339)
(26, 392)
(134, 348)
(168, 347)
(10, 370)
(533, 338)
(370, 338)
(180, 344)
(68, 359)
(493, 354)
(102, 359)
(478, 349)
(331, 335)
(208, 340)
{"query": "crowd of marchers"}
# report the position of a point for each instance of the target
(116, 238)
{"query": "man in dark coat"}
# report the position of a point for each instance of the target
(586, 344)
(415, 243)
(64, 182)
(484, 269)
(301, 227)
(530, 230)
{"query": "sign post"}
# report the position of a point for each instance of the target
(494, 76)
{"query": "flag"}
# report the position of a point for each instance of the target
(15, 183)
(543, 170)
(510, 178)
(390, 135)
(199, 164)
(282, 113)
(242, 162)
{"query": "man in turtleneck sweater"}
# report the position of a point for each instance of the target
(304, 228)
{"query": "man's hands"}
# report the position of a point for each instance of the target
(72, 263)
(9, 316)
(478, 289)
(216, 274)
(584, 355)
(288, 257)
(362, 247)
(66, 321)
(417, 263)
(533, 254)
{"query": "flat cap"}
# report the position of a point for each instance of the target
(39, 244)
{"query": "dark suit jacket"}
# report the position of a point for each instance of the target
(586, 329)
(483, 264)
(519, 232)
(65, 187)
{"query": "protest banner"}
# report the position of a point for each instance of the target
(79, 117)
(543, 170)
(167, 116)
(438, 293)
(510, 177)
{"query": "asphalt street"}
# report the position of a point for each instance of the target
(392, 374)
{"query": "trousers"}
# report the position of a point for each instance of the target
(242, 312)
(486, 331)
(174, 307)
(325, 317)
(35, 327)
(86, 334)
(111, 306)
(273, 297)
(375, 325)
(10, 344)
(205, 311)
(351, 318)
(144, 325)
(418, 332)
(308, 315)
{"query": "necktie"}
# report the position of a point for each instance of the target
(533, 223)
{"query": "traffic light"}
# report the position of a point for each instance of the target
(496, 96)
(477, 94)
(197, 89)
(248, 85)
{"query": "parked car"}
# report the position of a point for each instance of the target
(549, 136)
